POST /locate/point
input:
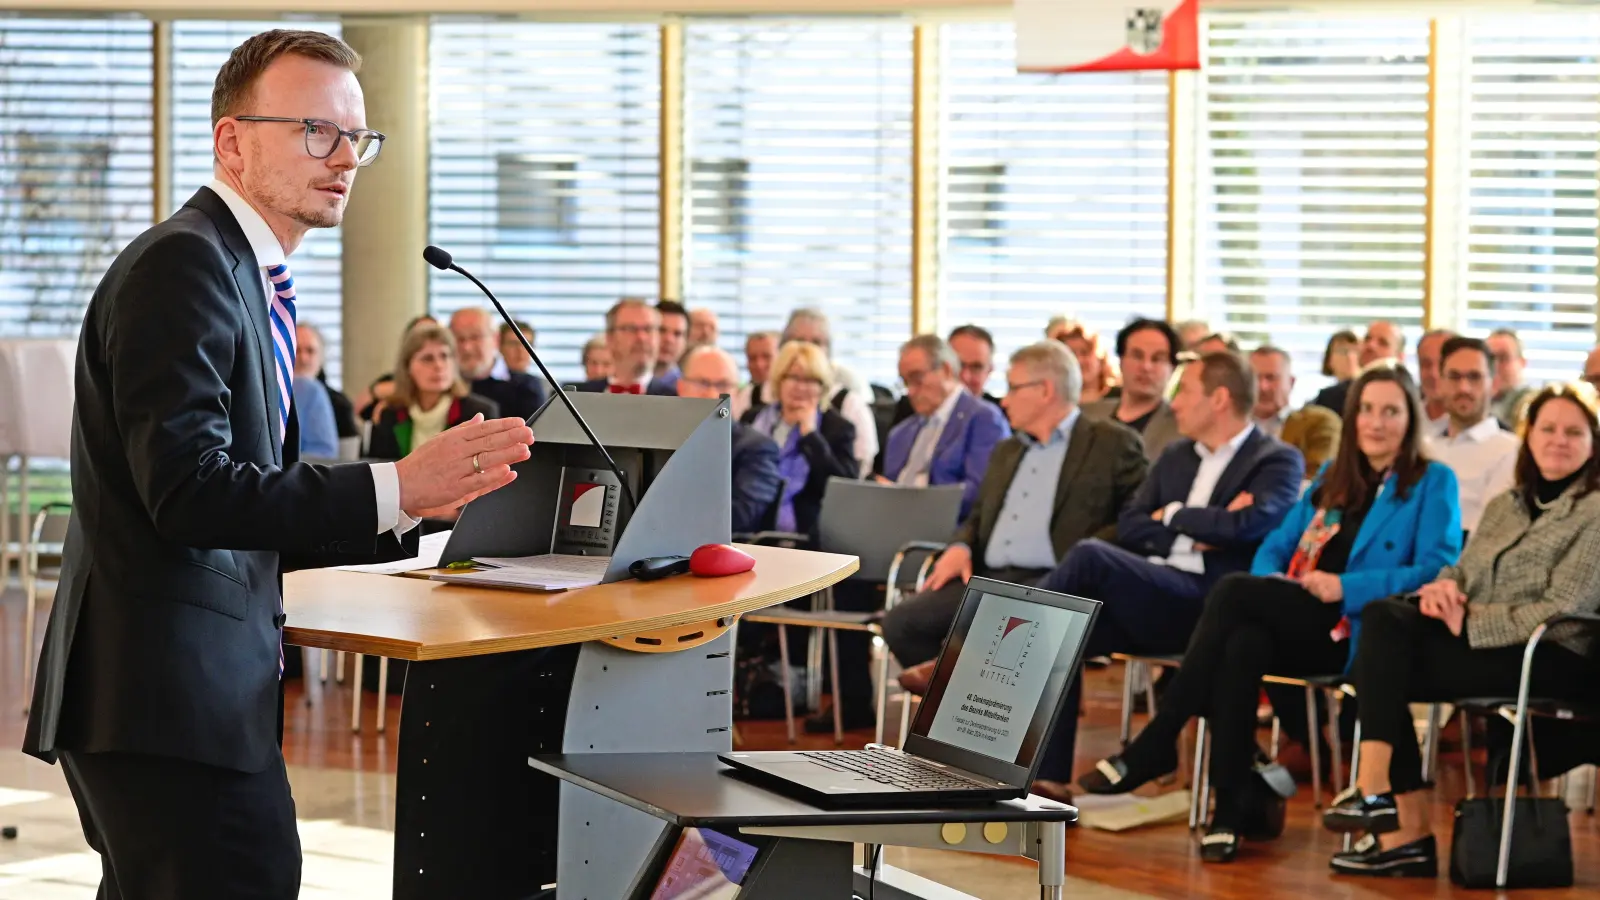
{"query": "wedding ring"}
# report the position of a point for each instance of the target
(476, 468)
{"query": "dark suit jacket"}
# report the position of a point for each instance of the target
(1333, 397)
(344, 412)
(1267, 469)
(755, 479)
(1104, 466)
(655, 388)
(390, 441)
(520, 396)
(187, 509)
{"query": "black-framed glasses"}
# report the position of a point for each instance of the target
(322, 137)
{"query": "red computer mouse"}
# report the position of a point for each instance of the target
(720, 559)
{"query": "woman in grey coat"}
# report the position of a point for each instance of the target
(1534, 554)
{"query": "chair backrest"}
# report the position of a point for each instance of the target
(873, 521)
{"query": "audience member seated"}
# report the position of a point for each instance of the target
(1100, 376)
(951, 434)
(369, 403)
(1591, 369)
(760, 349)
(1147, 349)
(1312, 430)
(973, 346)
(704, 327)
(815, 443)
(319, 433)
(1435, 394)
(1473, 445)
(1205, 507)
(708, 373)
(1191, 332)
(1216, 342)
(1533, 555)
(512, 354)
(1510, 391)
(1380, 520)
(429, 396)
(851, 396)
(310, 362)
(1341, 359)
(632, 336)
(1060, 478)
(674, 332)
(596, 359)
(1383, 341)
(477, 345)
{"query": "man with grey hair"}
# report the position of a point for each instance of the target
(477, 337)
(1511, 393)
(633, 335)
(950, 434)
(1059, 479)
(850, 395)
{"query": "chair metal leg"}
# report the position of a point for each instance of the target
(1355, 772)
(5, 518)
(1128, 670)
(30, 587)
(1519, 731)
(1466, 755)
(355, 698)
(1594, 786)
(22, 520)
(1150, 693)
(833, 671)
(383, 692)
(788, 681)
(1277, 738)
(883, 688)
(1430, 745)
(305, 667)
(322, 666)
(906, 699)
(1198, 792)
(1314, 739)
(1335, 743)
(814, 659)
(338, 667)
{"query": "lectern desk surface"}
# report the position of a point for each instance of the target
(414, 619)
(695, 790)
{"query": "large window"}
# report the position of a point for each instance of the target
(199, 48)
(798, 151)
(1312, 177)
(75, 162)
(1533, 122)
(1054, 191)
(545, 139)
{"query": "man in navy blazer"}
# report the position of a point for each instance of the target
(951, 433)
(633, 335)
(707, 372)
(1205, 507)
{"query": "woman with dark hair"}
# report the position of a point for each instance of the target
(1380, 520)
(429, 395)
(1341, 359)
(1534, 554)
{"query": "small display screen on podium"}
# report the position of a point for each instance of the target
(587, 520)
(705, 865)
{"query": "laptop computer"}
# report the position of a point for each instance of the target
(996, 692)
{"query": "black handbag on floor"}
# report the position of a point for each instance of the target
(1541, 844)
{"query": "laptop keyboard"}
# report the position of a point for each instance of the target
(892, 769)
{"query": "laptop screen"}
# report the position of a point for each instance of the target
(1002, 674)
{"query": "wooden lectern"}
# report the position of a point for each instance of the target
(499, 676)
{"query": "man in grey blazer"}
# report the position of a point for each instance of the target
(1148, 350)
(1060, 478)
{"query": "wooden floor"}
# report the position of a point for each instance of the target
(1159, 861)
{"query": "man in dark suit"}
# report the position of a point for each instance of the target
(159, 682)
(633, 330)
(1059, 479)
(1209, 501)
(478, 354)
(1148, 349)
(707, 372)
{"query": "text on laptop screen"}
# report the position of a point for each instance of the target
(1011, 663)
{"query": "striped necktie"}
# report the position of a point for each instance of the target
(282, 313)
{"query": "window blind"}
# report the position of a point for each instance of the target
(1312, 178)
(1054, 192)
(75, 162)
(545, 140)
(798, 150)
(1533, 123)
(199, 48)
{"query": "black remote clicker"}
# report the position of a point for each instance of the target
(653, 567)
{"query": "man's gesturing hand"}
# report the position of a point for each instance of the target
(440, 475)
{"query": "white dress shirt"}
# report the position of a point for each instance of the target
(926, 440)
(1484, 458)
(268, 252)
(1184, 557)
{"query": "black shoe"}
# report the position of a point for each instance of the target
(1418, 859)
(1354, 811)
(1115, 775)
(1220, 845)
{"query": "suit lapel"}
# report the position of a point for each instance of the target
(1232, 480)
(1383, 509)
(952, 429)
(1079, 447)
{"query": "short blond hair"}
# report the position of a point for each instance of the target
(813, 361)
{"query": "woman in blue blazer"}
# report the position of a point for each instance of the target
(1380, 520)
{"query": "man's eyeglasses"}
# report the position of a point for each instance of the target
(1013, 388)
(635, 330)
(913, 380)
(322, 137)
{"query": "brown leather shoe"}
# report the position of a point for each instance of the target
(1059, 791)
(915, 679)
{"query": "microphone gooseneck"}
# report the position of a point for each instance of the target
(440, 258)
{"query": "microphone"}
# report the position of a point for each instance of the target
(440, 258)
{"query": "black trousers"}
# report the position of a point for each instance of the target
(1407, 657)
(1251, 626)
(915, 629)
(170, 829)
